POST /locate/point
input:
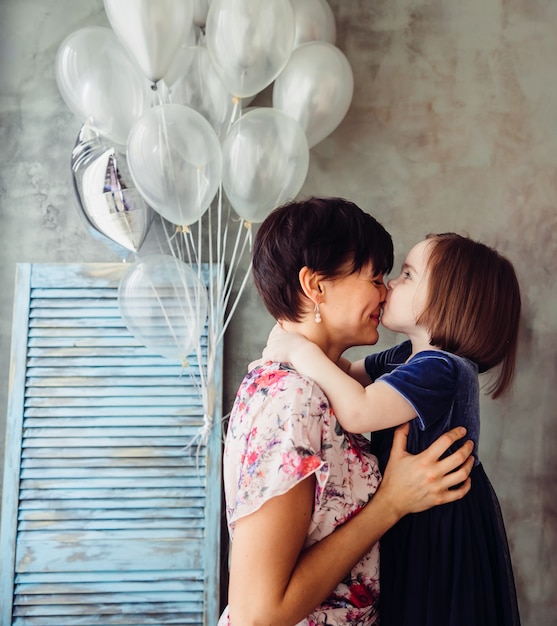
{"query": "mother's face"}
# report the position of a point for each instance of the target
(351, 307)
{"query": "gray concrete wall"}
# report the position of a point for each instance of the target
(453, 126)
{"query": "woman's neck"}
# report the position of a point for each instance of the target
(317, 335)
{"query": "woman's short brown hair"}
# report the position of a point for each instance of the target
(328, 235)
(473, 307)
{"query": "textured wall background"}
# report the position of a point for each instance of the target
(453, 126)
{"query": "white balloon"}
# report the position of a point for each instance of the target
(175, 161)
(180, 63)
(265, 162)
(200, 87)
(249, 41)
(194, 37)
(314, 21)
(200, 8)
(152, 31)
(315, 88)
(100, 84)
(163, 304)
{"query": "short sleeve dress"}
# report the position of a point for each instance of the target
(449, 566)
(282, 430)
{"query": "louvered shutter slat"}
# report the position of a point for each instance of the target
(107, 517)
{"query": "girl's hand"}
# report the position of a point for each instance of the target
(414, 483)
(281, 345)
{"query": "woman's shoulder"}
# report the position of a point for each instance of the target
(275, 402)
(271, 376)
(279, 382)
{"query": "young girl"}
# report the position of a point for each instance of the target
(458, 301)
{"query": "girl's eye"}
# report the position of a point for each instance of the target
(406, 274)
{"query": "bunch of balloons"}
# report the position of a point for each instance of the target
(180, 137)
(162, 99)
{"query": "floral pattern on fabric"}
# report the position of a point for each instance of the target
(281, 431)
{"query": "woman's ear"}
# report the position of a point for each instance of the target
(310, 283)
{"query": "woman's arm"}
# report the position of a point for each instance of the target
(358, 409)
(272, 581)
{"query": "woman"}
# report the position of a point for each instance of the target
(301, 515)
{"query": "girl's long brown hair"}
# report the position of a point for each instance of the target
(474, 304)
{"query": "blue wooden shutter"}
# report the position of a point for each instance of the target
(106, 519)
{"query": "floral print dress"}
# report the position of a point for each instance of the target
(281, 431)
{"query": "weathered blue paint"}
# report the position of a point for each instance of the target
(106, 518)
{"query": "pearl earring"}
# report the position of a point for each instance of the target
(317, 314)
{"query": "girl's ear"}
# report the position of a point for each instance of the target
(310, 282)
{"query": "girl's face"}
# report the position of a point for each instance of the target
(407, 294)
(351, 309)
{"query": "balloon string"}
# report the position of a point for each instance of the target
(233, 272)
(233, 258)
(157, 99)
(216, 274)
(164, 140)
(194, 253)
(234, 268)
(191, 250)
(205, 370)
(223, 237)
(163, 309)
(236, 301)
(236, 112)
(173, 245)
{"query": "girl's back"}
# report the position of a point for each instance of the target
(449, 566)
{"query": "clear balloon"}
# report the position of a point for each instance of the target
(100, 84)
(265, 162)
(177, 68)
(249, 42)
(314, 21)
(105, 197)
(200, 87)
(315, 88)
(200, 9)
(152, 32)
(164, 305)
(175, 161)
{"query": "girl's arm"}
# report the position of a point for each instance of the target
(357, 371)
(358, 409)
(274, 581)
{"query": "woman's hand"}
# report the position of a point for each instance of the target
(414, 483)
(291, 581)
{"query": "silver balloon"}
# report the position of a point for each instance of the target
(110, 206)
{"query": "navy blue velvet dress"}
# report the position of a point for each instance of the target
(449, 566)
